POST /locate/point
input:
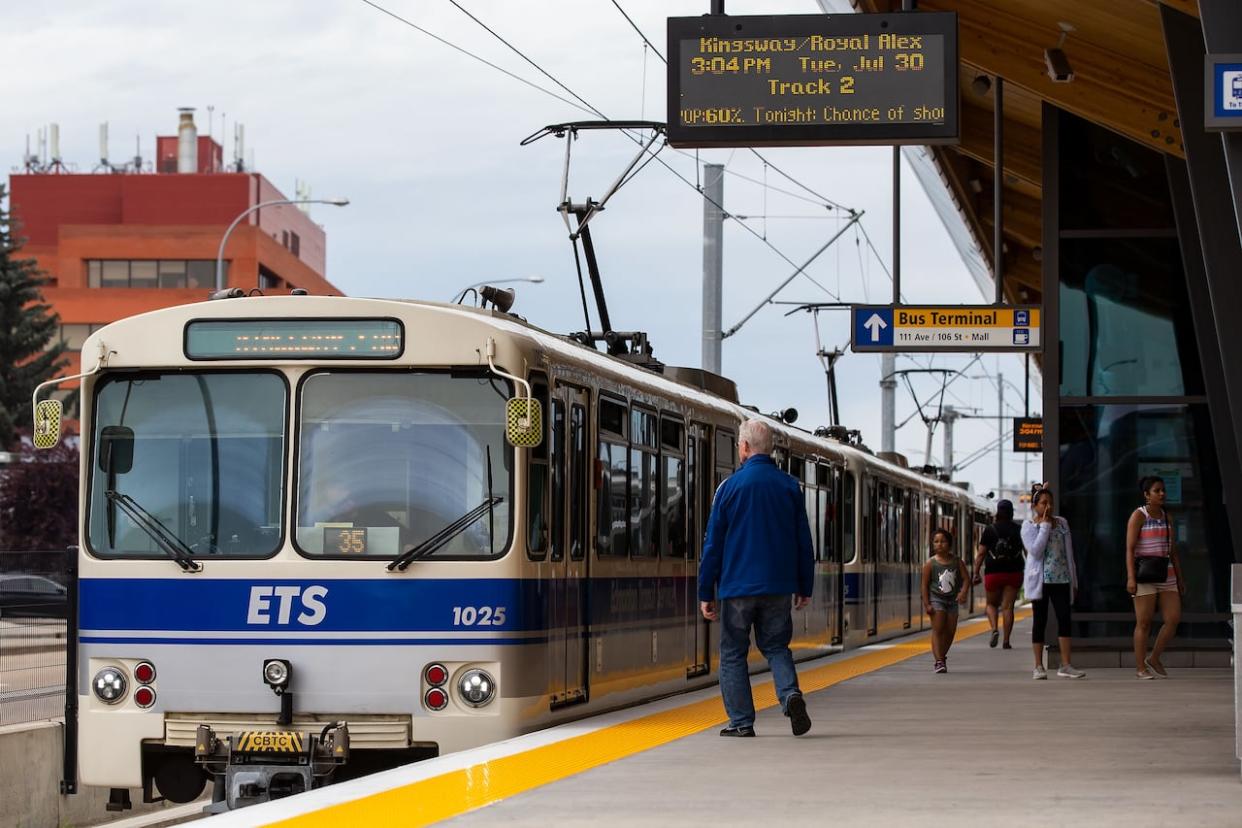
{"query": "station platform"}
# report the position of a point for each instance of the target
(892, 744)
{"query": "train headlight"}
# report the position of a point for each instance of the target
(476, 687)
(109, 685)
(276, 672)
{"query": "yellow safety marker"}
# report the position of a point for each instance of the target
(456, 792)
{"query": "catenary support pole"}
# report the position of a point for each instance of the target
(1000, 433)
(998, 189)
(713, 263)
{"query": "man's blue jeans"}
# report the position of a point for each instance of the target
(769, 616)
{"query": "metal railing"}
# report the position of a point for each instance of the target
(33, 640)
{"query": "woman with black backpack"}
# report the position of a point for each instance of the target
(1001, 558)
(1153, 576)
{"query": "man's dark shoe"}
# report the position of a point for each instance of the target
(738, 731)
(795, 709)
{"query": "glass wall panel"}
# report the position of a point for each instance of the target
(1105, 449)
(1126, 328)
(1108, 181)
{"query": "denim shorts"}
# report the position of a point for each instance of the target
(944, 604)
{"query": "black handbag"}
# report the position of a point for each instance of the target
(1148, 569)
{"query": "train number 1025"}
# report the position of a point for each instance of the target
(478, 616)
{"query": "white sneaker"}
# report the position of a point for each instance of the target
(1070, 671)
(1039, 674)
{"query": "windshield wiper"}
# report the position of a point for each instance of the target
(173, 546)
(433, 543)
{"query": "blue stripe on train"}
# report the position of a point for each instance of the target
(220, 605)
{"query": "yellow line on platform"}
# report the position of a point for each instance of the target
(456, 792)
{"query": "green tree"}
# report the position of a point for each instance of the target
(27, 326)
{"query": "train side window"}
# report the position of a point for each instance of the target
(848, 532)
(612, 506)
(644, 484)
(811, 499)
(726, 450)
(673, 496)
(612, 417)
(557, 452)
(580, 484)
(797, 468)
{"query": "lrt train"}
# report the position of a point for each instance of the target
(322, 536)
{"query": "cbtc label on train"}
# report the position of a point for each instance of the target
(812, 79)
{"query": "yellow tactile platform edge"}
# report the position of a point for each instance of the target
(456, 792)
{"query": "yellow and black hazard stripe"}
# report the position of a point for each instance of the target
(269, 741)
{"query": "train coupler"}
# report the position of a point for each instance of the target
(261, 765)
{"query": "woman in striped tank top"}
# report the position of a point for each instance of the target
(1150, 534)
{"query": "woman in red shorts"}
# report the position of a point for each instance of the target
(1001, 556)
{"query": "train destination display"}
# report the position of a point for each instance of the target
(812, 80)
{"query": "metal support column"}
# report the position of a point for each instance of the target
(998, 189)
(713, 262)
(1000, 433)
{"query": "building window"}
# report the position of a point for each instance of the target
(152, 273)
(172, 274)
(295, 243)
(73, 335)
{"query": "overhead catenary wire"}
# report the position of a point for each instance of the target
(584, 106)
(473, 56)
(755, 152)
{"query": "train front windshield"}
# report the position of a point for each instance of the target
(199, 456)
(391, 462)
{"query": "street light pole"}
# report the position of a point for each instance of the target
(337, 202)
(461, 294)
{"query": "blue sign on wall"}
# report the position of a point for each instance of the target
(1222, 86)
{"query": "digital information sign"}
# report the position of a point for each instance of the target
(1028, 434)
(293, 339)
(965, 328)
(812, 80)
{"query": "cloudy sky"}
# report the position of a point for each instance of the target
(424, 141)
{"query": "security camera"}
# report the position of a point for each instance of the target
(1058, 65)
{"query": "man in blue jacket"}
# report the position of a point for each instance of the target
(757, 562)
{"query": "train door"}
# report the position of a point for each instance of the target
(568, 560)
(870, 555)
(905, 554)
(842, 549)
(698, 504)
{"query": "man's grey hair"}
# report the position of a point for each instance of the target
(757, 434)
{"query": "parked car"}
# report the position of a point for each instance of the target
(31, 596)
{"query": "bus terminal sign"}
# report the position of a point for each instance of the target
(812, 80)
(945, 328)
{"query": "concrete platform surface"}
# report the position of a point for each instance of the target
(981, 745)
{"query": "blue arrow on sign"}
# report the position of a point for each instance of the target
(873, 327)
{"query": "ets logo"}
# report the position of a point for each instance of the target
(278, 605)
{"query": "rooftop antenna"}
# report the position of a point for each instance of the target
(138, 153)
(54, 143)
(302, 192)
(239, 147)
(103, 146)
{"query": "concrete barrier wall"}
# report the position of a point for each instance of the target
(30, 771)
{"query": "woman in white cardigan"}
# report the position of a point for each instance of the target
(1050, 578)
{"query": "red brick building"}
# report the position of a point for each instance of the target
(118, 244)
